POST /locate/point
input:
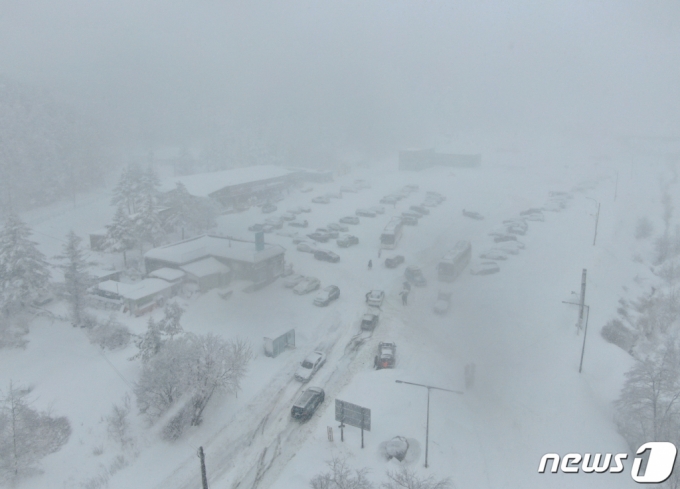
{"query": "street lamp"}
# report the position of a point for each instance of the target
(597, 218)
(427, 425)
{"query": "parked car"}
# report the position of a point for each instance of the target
(274, 222)
(389, 199)
(365, 213)
(331, 233)
(485, 268)
(533, 210)
(347, 240)
(362, 184)
(414, 274)
(321, 199)
(517, 229)
(299, 224)
(305, 208)
(341, 228)
(429, 203)
(350, 220)
(310, 365)
(443, 303)
(375, 298)
(310, 284)
(369, 321)
(295, 210)
(473, 215)
(386, 356)
(306, 189)
(535, 217)
(307, 403)
(509, 247)
(320, 237)
(394, 261)
(552, 207)
(348, 188)
(378, 209)
(409, 220)
(327, 295)
(502, 238)
(412, 187)
(287, 234)
(292, 280)
(334, 195)
(420, 209)
(306, 247)
(268, 228)
(268, 208)
(288, 216)
(256, 228)
(325, 255)
(494, 254)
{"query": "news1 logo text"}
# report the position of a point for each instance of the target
(660, 462)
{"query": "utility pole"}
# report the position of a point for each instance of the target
(597, 219)
(427, 425)
(616, 186)
(204, 477)
(582, 300)
(585, 332)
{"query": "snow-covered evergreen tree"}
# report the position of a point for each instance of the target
(150, 344)
(120, 234)
(24, 273)
(76, 278)
(126, 190)
(186, 213)
(170, 324)
(148, 226)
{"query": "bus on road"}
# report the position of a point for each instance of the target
(391, 234)
(454, 261)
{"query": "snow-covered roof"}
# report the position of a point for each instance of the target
(194, 249)
(138, 290)
(168, 274)
(205, 184)
(207, 266)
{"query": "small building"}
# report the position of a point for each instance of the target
(140, 297)
(207, 273)
(98, 240)
(242, 257)
(171, 275)
(420, 159)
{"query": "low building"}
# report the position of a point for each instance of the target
(243, 259)
(98, 240)
(171, 275)
(420, 159)
(207, 273)
(139, 297)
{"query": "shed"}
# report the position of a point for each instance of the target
(208, 273)
(140, 297)
(171, 275)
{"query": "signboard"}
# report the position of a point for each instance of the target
(272, 348)
(353, 415)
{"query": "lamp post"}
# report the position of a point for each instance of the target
(427, 424)
(597, 218)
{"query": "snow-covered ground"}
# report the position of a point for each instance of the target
(528, 398)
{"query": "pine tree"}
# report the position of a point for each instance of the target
(187, 213)
(76, 278)
(120, 234)
(125, 192)
(170, 324)
(148, 228)
(24, 273)
(150, 344)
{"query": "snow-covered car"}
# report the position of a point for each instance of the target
(517, 221)
(535, 217)
(517, 229)
(287, 234)
(443, 303)
(299, 239)
(275, 222)
(429, 203)
(409, 220)
(288, 216)
(268, 208)
(362, 184)
(325, 255)
(552, 207)
(292, 280)
(331, 233)
(485, 268)
(414, 274)
(348, 189)
(309, 366)
(307, 247)
(334, 195)
(306, 189)
(473, 215)
(501, 238)
(321, 199)
(386, 357)
(310, 284)
(256, 228)
(305, 208)
(375, 298)
(394, 261)
(510, 247)
(299, 224)
(389, 199)
(494, 254)
(347, 240)
(412, 187)
(369, 321)
(420, 209)
(365, 213)
(268, 228)
(327, 295)
(295, 210)
(341, 228)
(378, 209)
(532, 210)
(350, 220)
(320, 237)
(307, 403)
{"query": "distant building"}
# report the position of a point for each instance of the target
(241, 258)
(139, 297)
(420, 159)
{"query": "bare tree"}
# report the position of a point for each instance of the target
(341, 476)
(26, 435)
(407, 479)
(117, 423)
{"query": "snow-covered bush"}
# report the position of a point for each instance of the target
(13, 330)
(644, 228)
(191, 369)
(408, 479)
(110, 335)
(341, 476)
(617, 333)
(117, 423)
(26, 435)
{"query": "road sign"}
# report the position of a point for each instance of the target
(353, 415)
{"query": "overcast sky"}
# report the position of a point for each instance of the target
(360, 70)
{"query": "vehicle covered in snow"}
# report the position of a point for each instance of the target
(318, 236)
(310, 284)
(341, 228)
(307, 403)
(365, 213)
(310, 365)
(268, 208)
(369, 321)
(292, 280)
(347, 240)
(494, 254)
(485, 268)
(394, 261)
(443, 303)
(414, 274)
(350, 220)
(307, 247)
(321, 199)
(386, 357)
(299, 224)
(327, 295)
(375, 298)
(325, 255)
(473, 215)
